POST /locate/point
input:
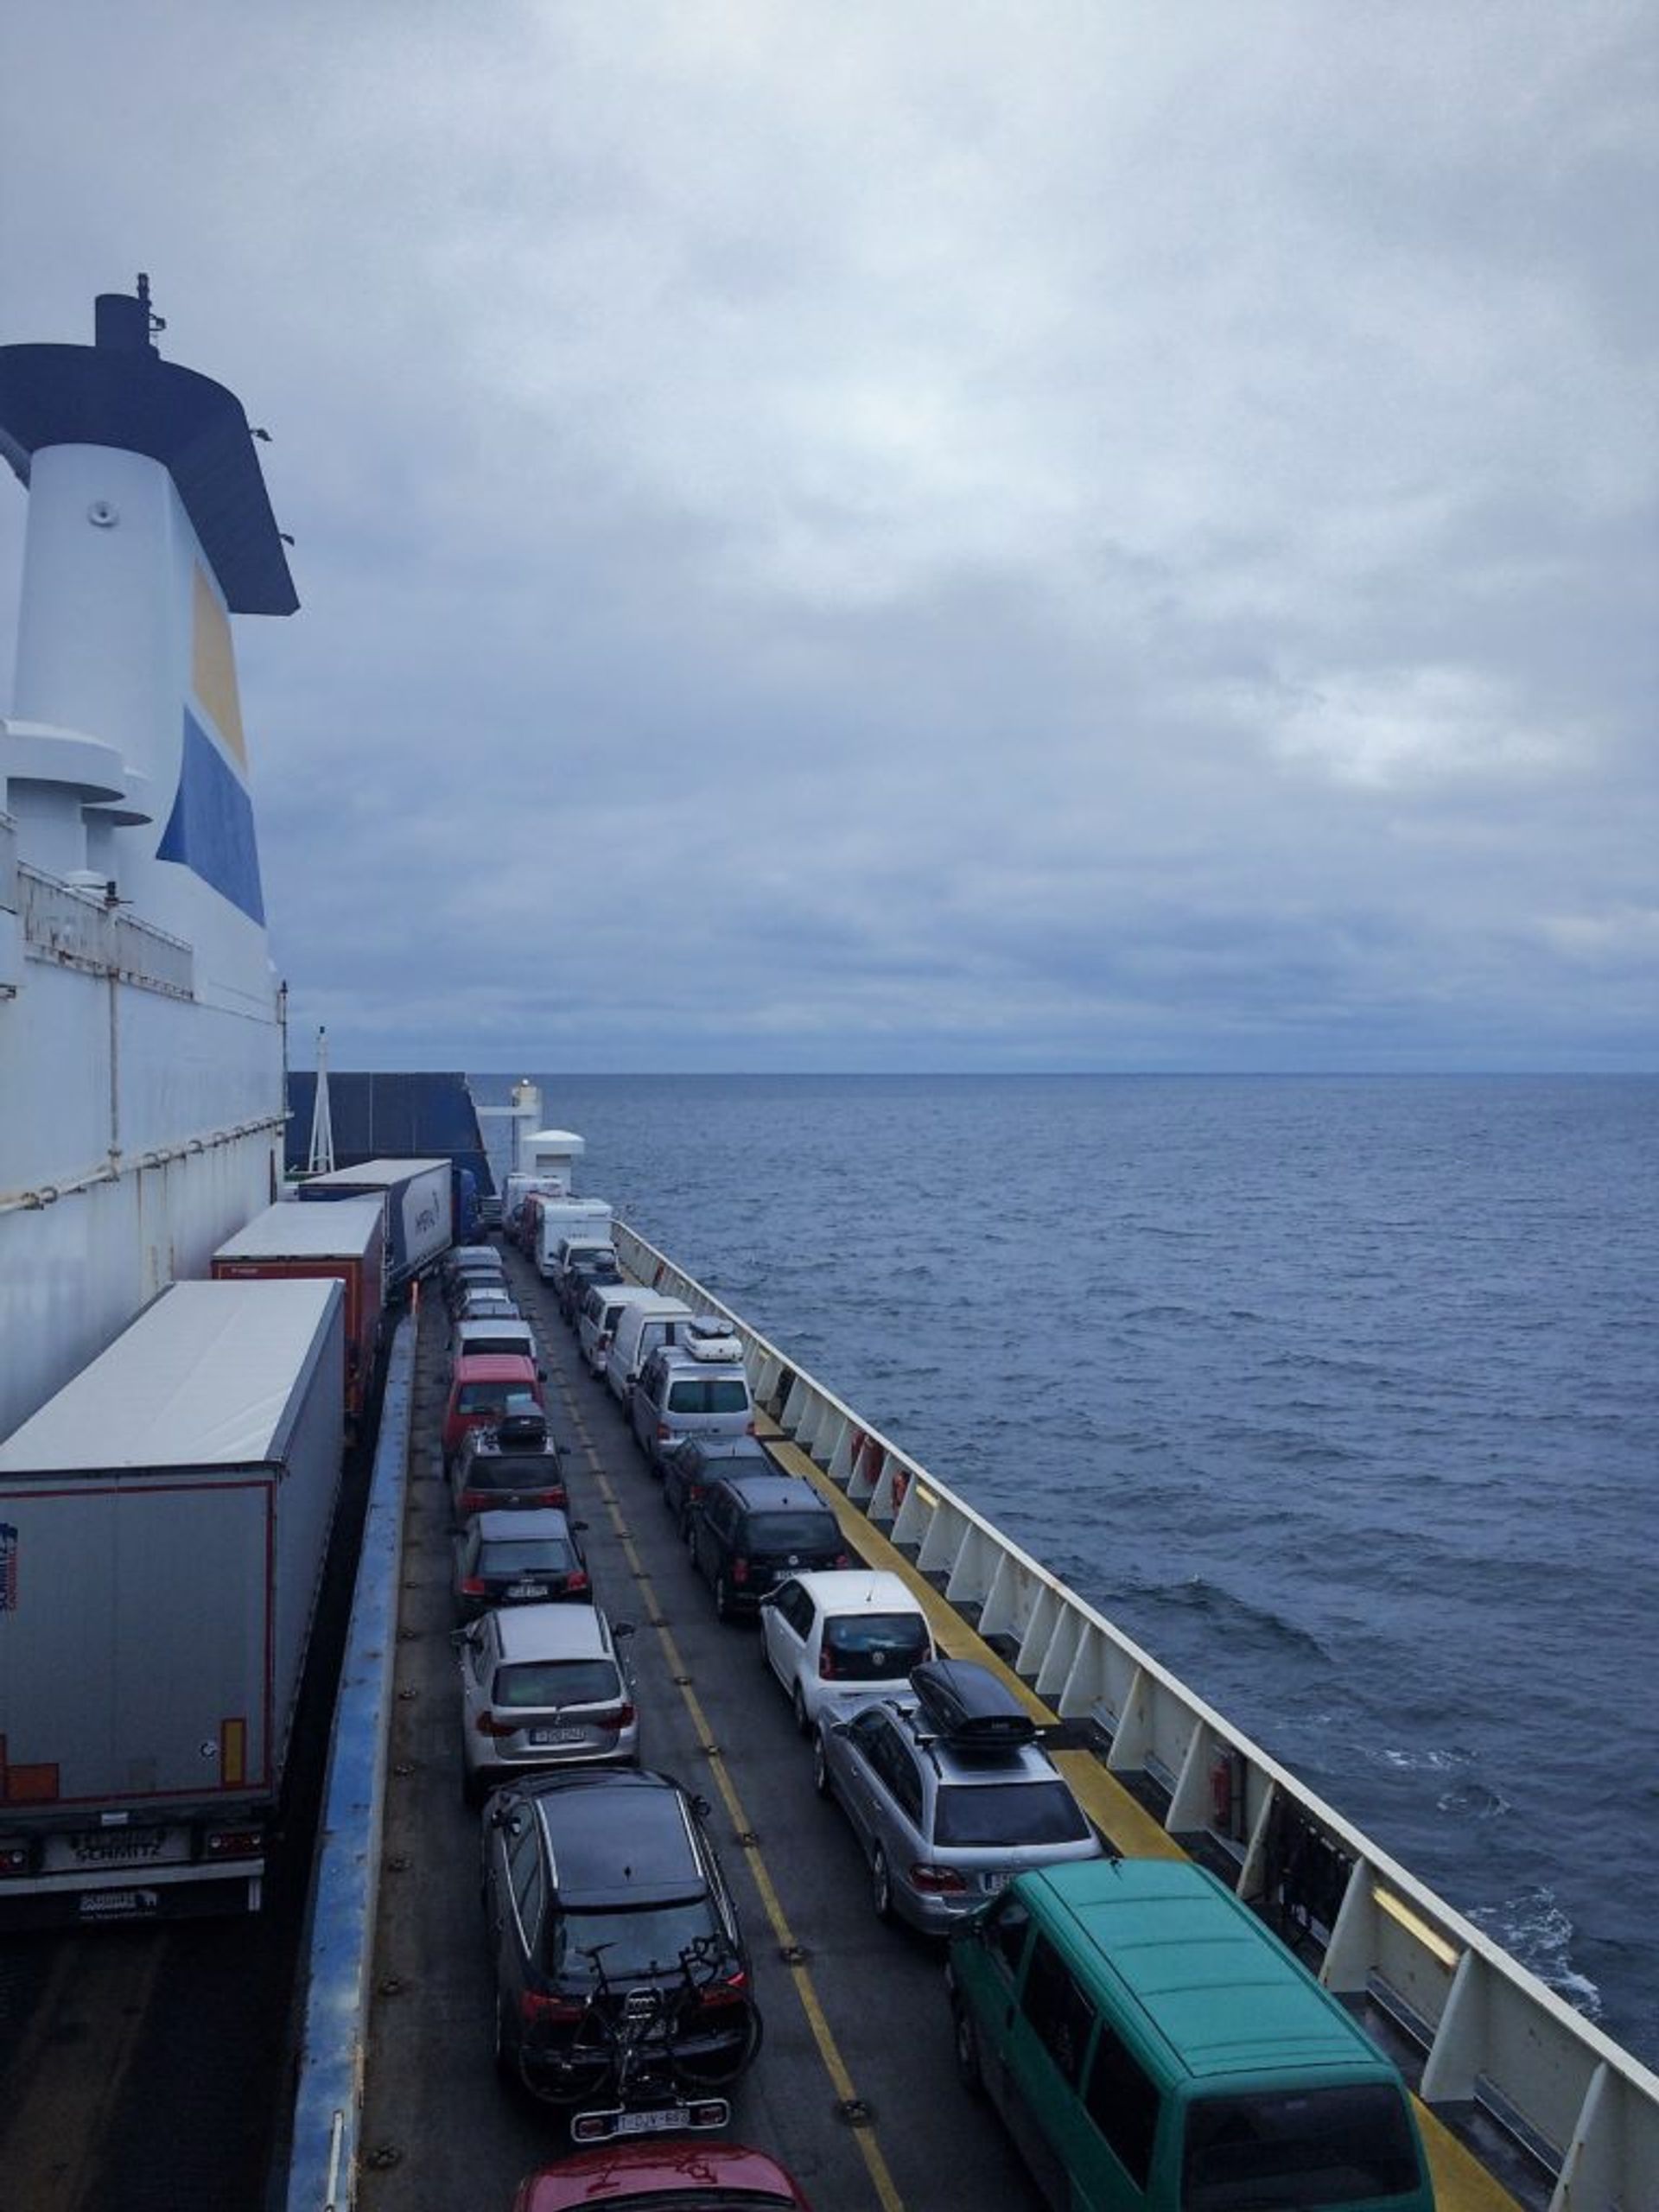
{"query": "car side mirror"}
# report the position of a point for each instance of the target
(621, 1627)
(701, 1806)
(581, 1526)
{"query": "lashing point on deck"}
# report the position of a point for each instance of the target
(793, 1954)
(856, 2112)
(746, 1839)
(399, 1865)
(393, 1984)
(383, 2156)
(681, 1682)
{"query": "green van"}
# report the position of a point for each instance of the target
(1153, 2048)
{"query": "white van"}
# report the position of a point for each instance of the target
(602, 1309)
(654, 1321)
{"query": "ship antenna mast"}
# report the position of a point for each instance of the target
(321, 1161)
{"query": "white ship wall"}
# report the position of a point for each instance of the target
(139, 1132)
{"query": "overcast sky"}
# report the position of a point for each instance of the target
(876, 535)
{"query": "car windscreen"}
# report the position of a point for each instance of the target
(1008, 1813)
(545, 1683)
(1296, 2148)
(708, 1393)
(526, 1555)
(792, 1532)
(647, 1939)
(869, 1647)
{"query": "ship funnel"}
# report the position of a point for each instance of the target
(123, 325)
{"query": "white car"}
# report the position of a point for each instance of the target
(544, 1686)
(840, 1635)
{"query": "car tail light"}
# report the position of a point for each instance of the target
(474, 1501)
(733, 1989)
(828, 1670)
(749, 1429)
(739, 1569)
(577, 1581)
(14, 1858)
(937, 1881)
(617, 1716)
(487, 1725)
(843, 1559)
(471, 1586)
(234, 1843)
(663, 1432)
(536, 2010)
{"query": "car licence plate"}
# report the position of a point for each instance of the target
(558, 1735)
(527, 1590)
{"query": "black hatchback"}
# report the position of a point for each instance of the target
(749, 1531)
(622, 1983)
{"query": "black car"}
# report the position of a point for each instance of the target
(504, 1558)
(750, 1531)
(690, 1466)
(516, 1465)
(621, 1978)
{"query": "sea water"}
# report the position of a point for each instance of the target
(1339, 1396)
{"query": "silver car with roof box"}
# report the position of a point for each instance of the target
(949, 1793)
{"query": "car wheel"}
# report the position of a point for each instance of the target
(967, 2047)
(803, 1718)
(722, 1599)
(820, 1768)
(472, 1789)
(880, 1886)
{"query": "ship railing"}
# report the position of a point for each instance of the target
(84, 929)
(11, 951)
(1495, 2047)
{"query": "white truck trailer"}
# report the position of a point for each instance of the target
(420, 1208)
(164, 1520)
(588, 1219)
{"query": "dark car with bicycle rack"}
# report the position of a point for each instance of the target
(623, 1991)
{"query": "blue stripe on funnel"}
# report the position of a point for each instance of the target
(211, 828)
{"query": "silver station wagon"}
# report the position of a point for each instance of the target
(949, 1793)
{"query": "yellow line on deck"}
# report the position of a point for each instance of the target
(816, 2020)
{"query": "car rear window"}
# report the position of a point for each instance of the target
(495, 1398)
(517, 1344)
(708, 1393)
(513, 1471)
(1010, 1812)
(871, 1646)
(792, 1532)
(647, 1940)
(1303, 2147)
(543, 1684)
(521, 1555)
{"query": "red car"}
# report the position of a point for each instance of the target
(690, 2175)
(487, 1390)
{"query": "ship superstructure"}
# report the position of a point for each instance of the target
(141, 1043)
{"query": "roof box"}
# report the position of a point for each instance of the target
(521, 1433)
(706, 1340)
(967, 1705)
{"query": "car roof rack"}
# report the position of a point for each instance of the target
(521, 1432)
